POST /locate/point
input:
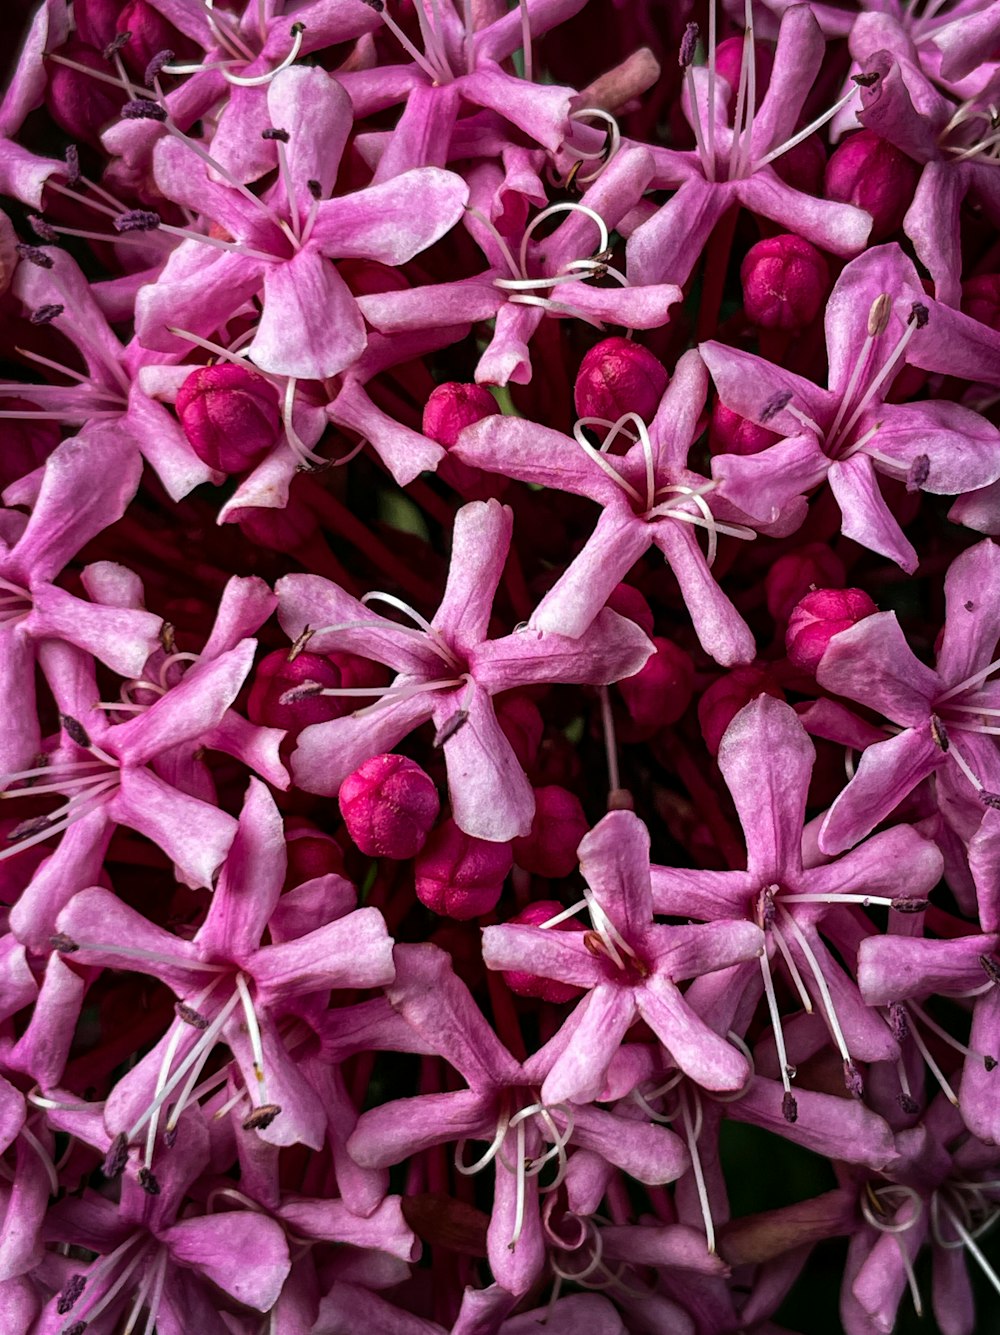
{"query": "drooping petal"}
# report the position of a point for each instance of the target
(887, 772)
(479, 544)
(393, 221)
(611, 648)
(699, 1052)
(250, 882)
(866, 516)
(721, 630)
(219, 1245)
(328, 752)
(666, 248)
(766, 758)
(491, 797)
(614, 861)
(873, 664)
(195, 835)
(577, 597)
(578, 1073)
(311, 327)
(972, 598)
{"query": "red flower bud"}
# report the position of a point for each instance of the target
(559, 825)
(230, 415)
(521, 723)
(724, 699)
(529, 984)
(459, 876)
(275, 676)
(785, 282)
(981, 299)
(389, 806)
(814, 566)
(617, 377)
(659, 693)
(730, 433)
(874, 175)
(449, 410)
(311, 853)
(80, 105)
(820, 616)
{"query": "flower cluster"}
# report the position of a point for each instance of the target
(500, 737)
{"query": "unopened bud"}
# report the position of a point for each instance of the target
(288, 694)
(616, 377)
(448, 411)
(558, 826)
(730, 433)
(79, 104)
(793, 575)
(230, 415)
(659, 693)
(817, 618)
(872, 174)
(981, 300)
(389, 806)
(785, 282)
(459, 876)
(724, 699)
(526, 984)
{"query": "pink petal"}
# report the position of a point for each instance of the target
(305, 297)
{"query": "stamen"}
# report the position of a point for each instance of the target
(256, 80)
(437, 640)
(299, 447)
(519, 1192)
(936, 1071)
(610, 742)
(786, 1070)
(469, 1170)
(567, 206)
(45, 828)
(974, 680)
(603, 463)
(226, 35)
(804, 133)
(792, 967)
(50, 1169)
(607, 931)
(604, 155)
(967, 1239)
(253, 1029)
(989, 1062)
(917, 320)
(566, 914)
(691, 1136)
(852, 1079)
(413, 51)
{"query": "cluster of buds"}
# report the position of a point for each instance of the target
(499, 622)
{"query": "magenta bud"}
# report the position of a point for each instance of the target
(230, 415)
(389, 806)
(814, 566)
(804, 166)
(559, 825)
(275, 676)
(981, 299)
(25, 444)
(311, 853)
(149, 33)
(729, 60)
(724, 699)
(874, 175)
(521, 723)
(730, 433)
(659, 693)
(818, 617)
(453, 407)
(616, 377)
(80, 105)
(449, 410)
(629, 602)
(785, 281)
(459, 876)
(529, 984)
